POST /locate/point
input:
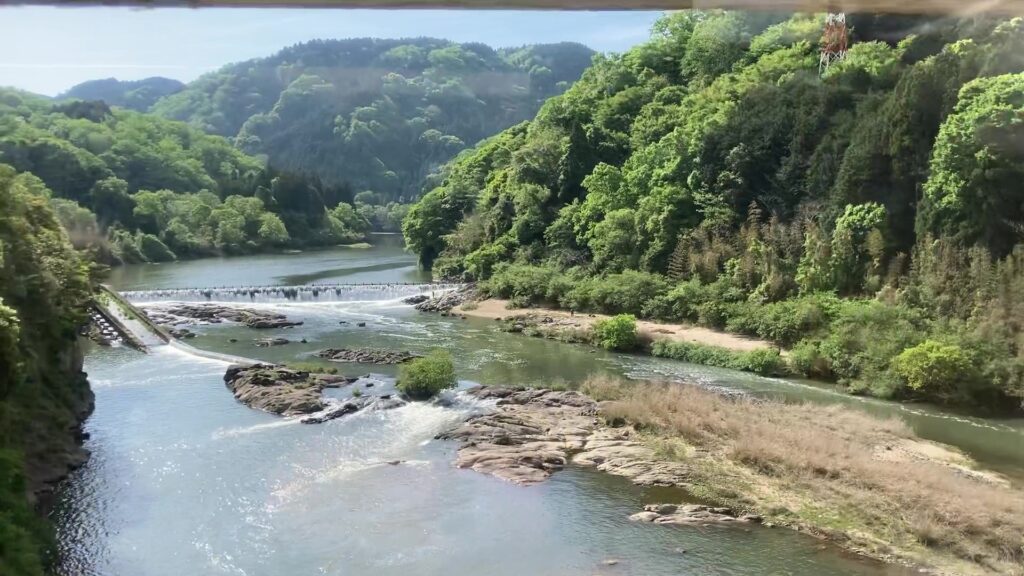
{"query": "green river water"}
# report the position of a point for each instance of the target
(184, 480)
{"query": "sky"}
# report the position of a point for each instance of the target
(47, 50)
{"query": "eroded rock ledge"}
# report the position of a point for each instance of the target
(287, 392)
(690, 514)
(179, 314)
(534, 433)
(367, 355)
(275, 389)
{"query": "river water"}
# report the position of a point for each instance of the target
(184, 480)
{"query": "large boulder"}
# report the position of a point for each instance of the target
(448, 300)
(275, 389)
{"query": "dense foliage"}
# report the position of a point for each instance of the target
(425, 377)
(712, 175)
(138, 95)
(617, 332)
(374, 114)
(154, 189)
(43, 289)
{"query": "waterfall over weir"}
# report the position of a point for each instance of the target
(303, 293)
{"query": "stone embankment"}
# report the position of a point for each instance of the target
(534, 433)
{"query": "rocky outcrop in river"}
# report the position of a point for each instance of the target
(276, 389)
(367, 355)
(353, 405)
(446, 301)
(690, 514)
(178, 314)
(287, 392)
(533, 433)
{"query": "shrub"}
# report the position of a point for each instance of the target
(681, 302)
(424, 377)
(628, 291)
(805, 359)
(125, 248)
(694, 353)
(933, 367)
(526, 285)
(616, 333)
(153, 249)
(785, 322)
(866, 335)
(447, 267)
(763, 361)
(480, 264)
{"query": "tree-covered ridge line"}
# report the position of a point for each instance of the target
(135, 187)
(44, 396)
(872, 220)
(138, 95)
(374, 114)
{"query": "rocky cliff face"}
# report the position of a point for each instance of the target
(47, 465)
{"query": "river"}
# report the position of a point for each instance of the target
(185, 480)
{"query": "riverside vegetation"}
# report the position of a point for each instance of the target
(131, 186)
(240, 176)
(867, 220)
(44, 396)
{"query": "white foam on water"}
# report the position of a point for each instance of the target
(245, 430)
(405, 431)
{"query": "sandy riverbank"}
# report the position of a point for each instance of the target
(496, 308)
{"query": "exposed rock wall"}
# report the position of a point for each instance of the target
(534, 433)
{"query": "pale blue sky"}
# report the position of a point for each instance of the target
(48, 50)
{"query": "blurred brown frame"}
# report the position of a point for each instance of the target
(950, 7)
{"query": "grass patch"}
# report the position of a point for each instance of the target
(425, 377)
(311, 367)
(767, 361)
(836, 469)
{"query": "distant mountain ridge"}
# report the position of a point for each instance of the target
(373, 114)
(137, 95)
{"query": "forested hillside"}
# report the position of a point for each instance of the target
(135, 187)
(137, 95)
(43, 392)
(371, 114)
(871, 220)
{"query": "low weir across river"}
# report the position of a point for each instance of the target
(303, 293)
